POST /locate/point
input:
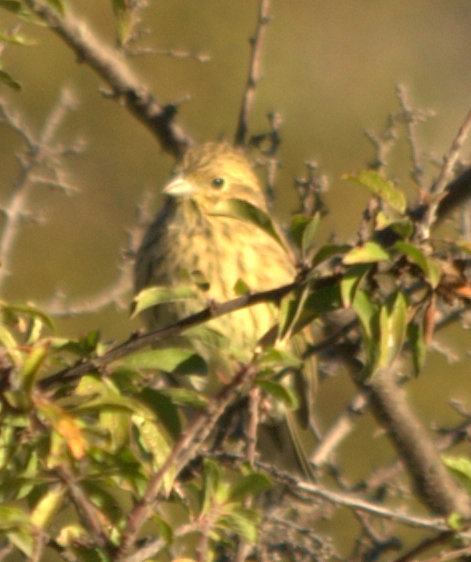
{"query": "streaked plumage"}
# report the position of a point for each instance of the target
(186, 245)
(186, 242)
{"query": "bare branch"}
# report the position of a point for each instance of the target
(38, 153)
(110, 66)
(254, 72)
(412, 118)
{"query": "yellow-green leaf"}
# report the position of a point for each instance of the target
(380, 187)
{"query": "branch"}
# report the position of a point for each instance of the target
(342, 499)
(136, 342)
(37, 154)
(434, 484)
(441, 187)
(184, 450)
(111, 67)
(254, 72)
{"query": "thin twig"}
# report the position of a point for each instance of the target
(446, 173)
(254, 72)
(174, 53)
(339, 430)
(344, 499)
(37, 155)
(412, 118)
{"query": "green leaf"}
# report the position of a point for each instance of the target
(368, 316)
(249, 485)
(6, 79)
(455, 521)
(16, 39)
(57, 5)
(328, 251)
(9, 343)
(245, 211)
(415, 337)
(430, 267)
(279, 392)
(123, 20)
(303, 231)
(403, 227)
(393, 327)
(291, 310)
(242, 521)
(461, 467)
(156, 442)
(211, 484)
(380, 187)
(47, 507)
(163, 408)
(273, 357)
(370, 252)
(351, 281)
(185, 397)
(321, 301)
(152, 296)
(170, 360)
(29, 371)
(241, 288)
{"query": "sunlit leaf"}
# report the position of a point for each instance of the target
(57, 5)
(351, 281)
(16, 38)
(328, 251)
(245, 211)
(169, 360)
(47, 507)
(393, 327)
(30, 369)
(370, 252)
(303, 231)
(385, 189)
(152, 296)
(273, 357)
(461, 467)
(123, 18)
(242, 521)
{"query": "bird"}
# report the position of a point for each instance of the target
(190, 244)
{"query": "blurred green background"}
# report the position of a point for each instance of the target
(330, 68)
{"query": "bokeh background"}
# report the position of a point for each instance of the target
(330, 68)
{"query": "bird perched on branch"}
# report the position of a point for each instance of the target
(195, 242)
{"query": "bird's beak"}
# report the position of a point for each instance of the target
(178, 187)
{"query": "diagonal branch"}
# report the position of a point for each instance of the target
(109, 64)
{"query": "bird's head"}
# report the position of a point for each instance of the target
(212, 172)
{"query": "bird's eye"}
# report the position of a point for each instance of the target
(218, 183)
